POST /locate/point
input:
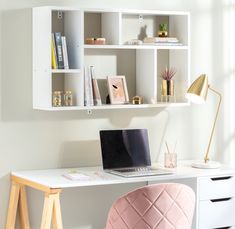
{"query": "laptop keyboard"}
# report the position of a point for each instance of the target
(133, 170)
(141, 171)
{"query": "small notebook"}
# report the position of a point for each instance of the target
(76, 176)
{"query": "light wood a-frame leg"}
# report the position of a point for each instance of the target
(51, 210)
(57, 220)
(13, 204)
(24, 216)
(17, 198)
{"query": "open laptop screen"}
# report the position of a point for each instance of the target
(125, 148)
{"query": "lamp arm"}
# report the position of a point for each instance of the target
(206, 158)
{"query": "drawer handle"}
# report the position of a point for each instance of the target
(222, 227)
(221, 178)
(220, 200)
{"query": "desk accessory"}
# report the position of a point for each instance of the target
(170, 157)
(197, 93)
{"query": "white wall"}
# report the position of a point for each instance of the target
(32, 139)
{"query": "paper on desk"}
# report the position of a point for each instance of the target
(77, 176)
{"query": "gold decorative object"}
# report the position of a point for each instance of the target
(162, 33)
(137, 100)
(197, 93)
(68, 98)
(57, 99)
(167, 85)
(162, 30)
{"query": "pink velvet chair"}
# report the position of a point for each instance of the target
(158, 206)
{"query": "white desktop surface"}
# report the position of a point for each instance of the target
(208, 184)
(53, 178)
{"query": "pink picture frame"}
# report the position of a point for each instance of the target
(117, 89)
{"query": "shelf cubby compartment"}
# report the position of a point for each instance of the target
(178, 59)
(141, 25)
(150, 64)
(112, 62)
(69, 82)
(58, 81)
(102, 24)
(68, 23)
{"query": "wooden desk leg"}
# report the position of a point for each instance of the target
(51, 210)
(17, 197)
(24, 216)
(57, 220)
(13, 204)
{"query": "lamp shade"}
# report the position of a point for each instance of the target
(197, 92)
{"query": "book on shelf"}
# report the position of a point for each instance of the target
(59, 50)
(65, 52)
(88, 92)
(53, 53)
(95, 88)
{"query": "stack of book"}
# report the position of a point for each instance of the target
(59, 54)
(92, 92)
(161, 41)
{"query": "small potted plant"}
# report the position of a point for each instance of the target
(162, 30)
(167, 87)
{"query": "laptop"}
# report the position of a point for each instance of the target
(126, 153)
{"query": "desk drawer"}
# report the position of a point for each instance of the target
(216, 213)
(216, 187)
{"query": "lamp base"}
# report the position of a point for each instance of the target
(208, 165)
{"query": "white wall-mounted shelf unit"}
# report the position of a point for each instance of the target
(141, 64)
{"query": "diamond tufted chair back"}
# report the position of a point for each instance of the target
(158, 206)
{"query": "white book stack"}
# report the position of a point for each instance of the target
(161, 41)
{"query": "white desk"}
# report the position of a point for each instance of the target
(211, 186)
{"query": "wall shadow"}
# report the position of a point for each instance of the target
(80, 154)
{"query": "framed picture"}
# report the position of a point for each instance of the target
(117, 89)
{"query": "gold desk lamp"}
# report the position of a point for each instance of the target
(197, 93)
